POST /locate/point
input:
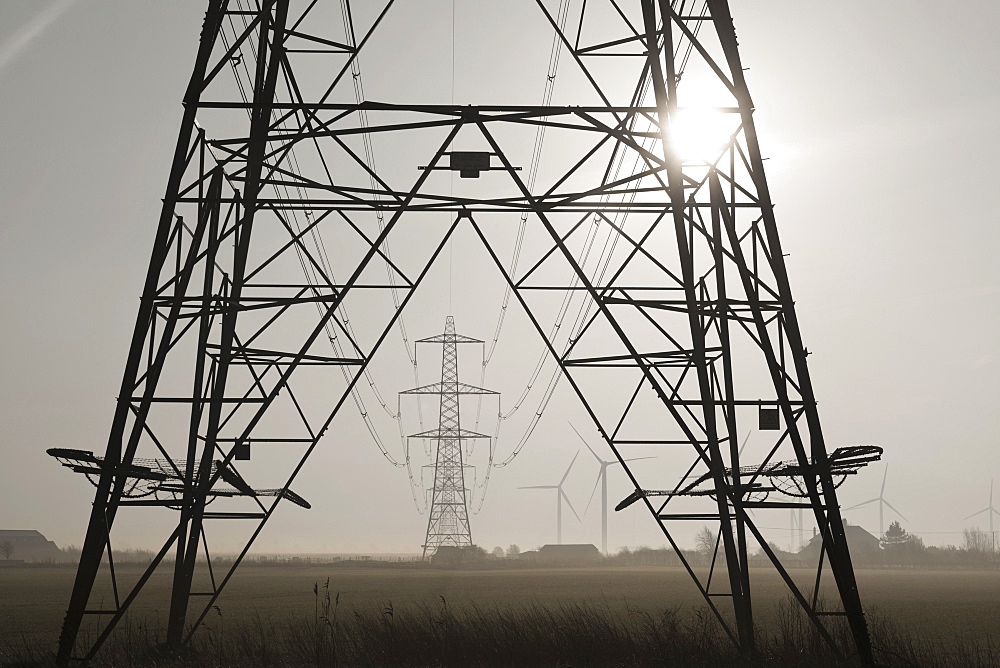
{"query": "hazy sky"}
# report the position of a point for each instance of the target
(879, 122)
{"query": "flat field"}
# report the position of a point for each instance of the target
(946, 606)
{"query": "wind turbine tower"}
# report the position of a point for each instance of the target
(602, 480)
(796, 530)
(560, 495)
(990, 511)
(882, 503)
(448, 520)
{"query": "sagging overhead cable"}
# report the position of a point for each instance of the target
(312, 273)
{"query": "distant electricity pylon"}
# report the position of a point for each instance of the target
(642, 211)
(448, 519)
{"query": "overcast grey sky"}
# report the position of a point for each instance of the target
(879, 122)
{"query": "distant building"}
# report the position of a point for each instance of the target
(862, 544)
(29, 545)
(447, 555)
(572, 553)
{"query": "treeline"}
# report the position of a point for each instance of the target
(897, 548)
(132, 557)
(902, 549)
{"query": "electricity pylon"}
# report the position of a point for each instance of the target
(683, 326)
(448, 519)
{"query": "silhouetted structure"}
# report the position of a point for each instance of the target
(29, 545)
(448, 520)
(864, 546)
(164, 479)
(446, 555)
(451, 556)
(685, 327)
(569, 553)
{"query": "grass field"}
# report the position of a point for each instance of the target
(947, 608)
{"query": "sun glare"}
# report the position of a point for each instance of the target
(700, 134)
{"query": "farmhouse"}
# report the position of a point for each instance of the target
(862, 544)
(28, 545)
(579, 552)
(447, 555)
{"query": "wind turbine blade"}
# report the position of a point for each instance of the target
(881, 493)
(568, 503)
(594, 491)
(896, 511)
(566, 475)
(977, 512)
(587, 445)
(540, 487)
(631, 459)
(863, 503)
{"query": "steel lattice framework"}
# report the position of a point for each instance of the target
(686, 333)
(448, 520)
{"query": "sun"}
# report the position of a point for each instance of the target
(699, 134)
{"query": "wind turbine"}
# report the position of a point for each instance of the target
(881, 505)
(560, 495)
(990, 511)
(602, 480)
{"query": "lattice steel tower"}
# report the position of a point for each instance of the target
(650, 269)
(448, 519)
